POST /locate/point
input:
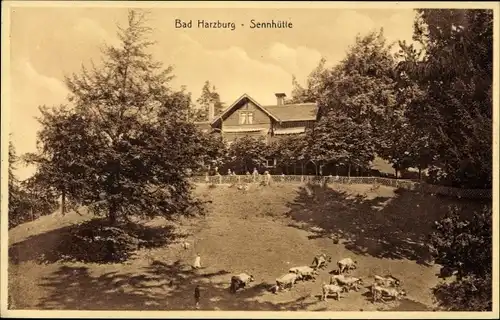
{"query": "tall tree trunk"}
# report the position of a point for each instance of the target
(349, 170)
(112, 213)
(419, 173)
(396, 171)
(63, 202)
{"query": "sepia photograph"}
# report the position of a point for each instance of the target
(277, 156)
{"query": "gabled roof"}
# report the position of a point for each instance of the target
(294, 112)
(236, 104)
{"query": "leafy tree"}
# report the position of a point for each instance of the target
(126, 145)
(208, 96)
(338, 139)
(463, 247)
(357, 98)
(61, 141)
(314, 86)
(15, 195)
(27, 199)
(247, 152)
(455, 72)
(216, 152)
(289, 151)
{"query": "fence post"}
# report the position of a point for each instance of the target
(220, 179)
(239, 179)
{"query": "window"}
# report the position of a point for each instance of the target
(246, 117)
(271, 163)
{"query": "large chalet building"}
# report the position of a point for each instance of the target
(247, 117)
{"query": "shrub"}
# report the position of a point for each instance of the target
(463, 246)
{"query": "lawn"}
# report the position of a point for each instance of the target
(263, 231)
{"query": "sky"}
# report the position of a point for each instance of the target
(48, 43)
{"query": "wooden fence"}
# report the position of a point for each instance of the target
(414, 185)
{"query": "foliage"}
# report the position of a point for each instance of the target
(455, 73)
(338, 139)
(469, 294)
(355, 97)
(208, 96)
(215, 150)
(247, 152)
(463, 246)
(289, 150)
(125, 147)
(27, 199)
(314, 86)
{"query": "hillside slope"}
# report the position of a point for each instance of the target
(263, 231)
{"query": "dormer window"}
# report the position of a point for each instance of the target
(246, 117)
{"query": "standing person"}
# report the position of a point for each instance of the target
(268, 177)
(255, 174)
(197, 296)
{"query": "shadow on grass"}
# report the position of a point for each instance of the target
(158, 286)
(384, 227)
(91, 241)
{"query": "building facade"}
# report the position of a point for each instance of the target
(247, 117)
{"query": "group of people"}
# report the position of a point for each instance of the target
(255, 174)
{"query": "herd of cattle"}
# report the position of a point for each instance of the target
(382, 287)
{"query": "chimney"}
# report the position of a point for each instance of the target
(211, 112)
(280, 98)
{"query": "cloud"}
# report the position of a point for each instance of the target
(299, 61)
(29, 90)
(351, 22)
(87, 28)
(230, 69)
(54, 88)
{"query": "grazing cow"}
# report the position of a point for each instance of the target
(286, 280)
(378, 293)
(240, 281)
(320, 261)
(346, 264)
(334, 289)
(348, 282)
(305, 272)
(387, 281)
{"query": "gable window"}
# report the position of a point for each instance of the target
(246, 117)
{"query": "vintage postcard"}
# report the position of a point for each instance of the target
(249, 160)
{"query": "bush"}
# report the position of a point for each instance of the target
(463, 246)
(98, 241)
(469, 294)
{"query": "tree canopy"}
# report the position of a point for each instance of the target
(455, 72)
(124, 146)
(209, 96)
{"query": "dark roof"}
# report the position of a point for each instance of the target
(287, 112)
(237, 102)
(294, 112)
